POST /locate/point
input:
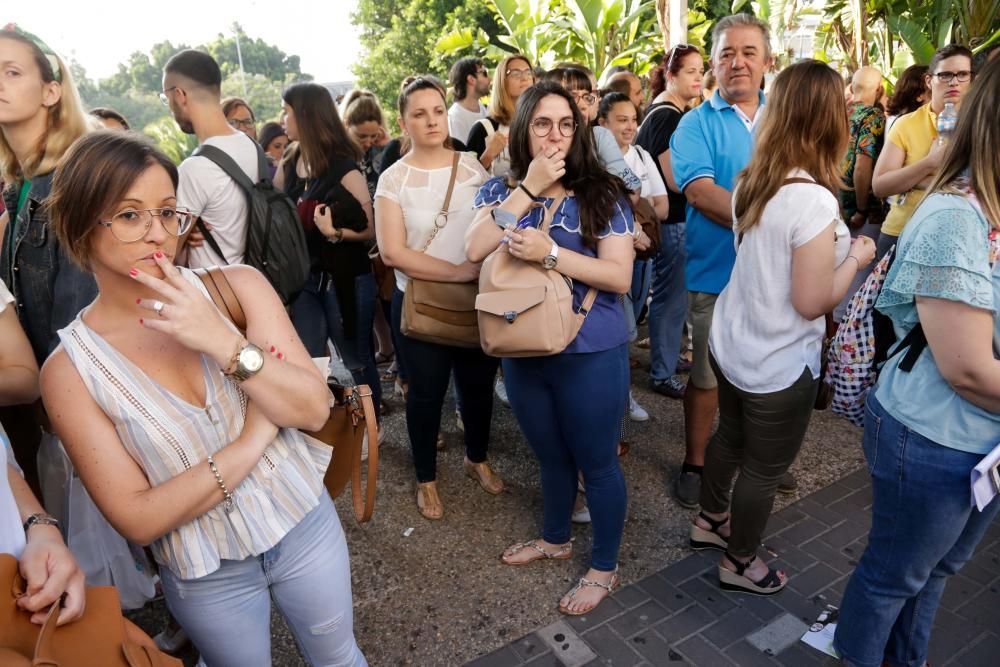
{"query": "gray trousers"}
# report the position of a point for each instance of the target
(759, 435)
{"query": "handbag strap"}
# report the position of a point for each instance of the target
(446, 204)
(591, 296)
(223, 296)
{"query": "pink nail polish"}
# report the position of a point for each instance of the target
(138, 301)
(133, 272)
(273, 348)
(281, 355)
(158, 254)
(141, 321)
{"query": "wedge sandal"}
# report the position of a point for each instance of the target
(710, 538)
(737, 582)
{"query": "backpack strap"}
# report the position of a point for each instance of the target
(210, 240)
(227, 164)
(488, 126)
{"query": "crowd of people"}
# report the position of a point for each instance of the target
(737, 222)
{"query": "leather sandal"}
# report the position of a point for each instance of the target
(710, 538)
(483, 473)
(610, 587)
(428, 501)
(562, 553)
(737, 582)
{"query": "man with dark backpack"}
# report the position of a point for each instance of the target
(242, 217)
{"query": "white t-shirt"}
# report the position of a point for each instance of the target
(759, 340)
(11, 531)
(642, 165)
(210, 193)
(461, 120)
(420, 194)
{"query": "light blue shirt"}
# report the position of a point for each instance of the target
(942, 253)
(711, 141)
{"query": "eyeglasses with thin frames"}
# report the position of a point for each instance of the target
(131, 225)
(520, 73)
(165, 98)
(241, 123)
(542, 127)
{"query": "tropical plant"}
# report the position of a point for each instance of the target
(175, 144)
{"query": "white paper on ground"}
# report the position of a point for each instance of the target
(983, 488)
(820, 635)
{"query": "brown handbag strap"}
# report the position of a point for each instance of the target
(550, 213)
(223, 296)
(43, 646)
(447, 202)
(364, 506)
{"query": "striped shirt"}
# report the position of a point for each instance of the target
(167, 435)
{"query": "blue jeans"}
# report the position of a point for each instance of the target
(924, 529)
(227, 614)
(570, 407)
(668, 307)
(316, 315)
(642, 276)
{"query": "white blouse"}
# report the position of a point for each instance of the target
(420, 194)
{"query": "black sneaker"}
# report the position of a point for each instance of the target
(672, 388)
(788, 485)
(687, 489)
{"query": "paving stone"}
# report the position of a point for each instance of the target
(815, 579)
(818, 511)
(983, 607)
(778, 635)
(843, 534)
(699, 652)
(788, 555)
(803, 531)
(652, 647)
(566, 645)
(804, 608)
(832, 556)
(665, 593)
(800, 655)
(731, 628)
(951, 635)
(745, 655)
(638, 619)
(547, 660)
(982, 654)
(831, 494)
(958, 591)
(761, 607)
(705, 591)
(861, 517)
(530, 646)
(685, 623)
(504, 657)
(612, 649)
(608, 609)
(977, 571)
(691, 566)
(783, 519)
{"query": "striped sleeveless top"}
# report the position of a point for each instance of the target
(167, 435)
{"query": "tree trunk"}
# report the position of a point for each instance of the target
(663, 18)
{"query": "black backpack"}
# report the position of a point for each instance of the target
(276, 241)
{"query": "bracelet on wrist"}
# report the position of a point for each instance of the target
(856, 261)
(39, 519)
(226, 494)
(528, 192)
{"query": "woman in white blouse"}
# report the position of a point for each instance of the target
(408, 201)
(795, 261)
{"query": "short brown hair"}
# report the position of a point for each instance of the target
(231, 104)
(93, 176)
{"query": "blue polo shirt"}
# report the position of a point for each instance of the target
(711, 141)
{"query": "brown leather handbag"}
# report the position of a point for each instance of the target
(352, 414)
(647, 220)
(440, 312)
(99, 638)
(526, 310)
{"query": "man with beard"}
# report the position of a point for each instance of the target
(192, 89)
(470, 81)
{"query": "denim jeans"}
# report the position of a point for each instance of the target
(430, 367)
(924, 529)
(642, 277)
(668, 307)
(227, 614)
(317, 318)
(570, 407)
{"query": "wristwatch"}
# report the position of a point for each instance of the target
(549, 261)
(338, 235)
(249, 359)
(40, 519)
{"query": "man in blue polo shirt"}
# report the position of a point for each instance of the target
(711, 146)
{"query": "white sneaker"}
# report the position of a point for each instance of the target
(635, 411)
(171, 642)
(581, 515)
(501, 391)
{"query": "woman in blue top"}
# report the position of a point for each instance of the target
(569, 405)
(927, 428)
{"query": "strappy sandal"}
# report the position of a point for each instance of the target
(428, 501)
(710, 538)
(737, 582)
(562, 553)
(610, 587)
(381, 358)
(484, 474)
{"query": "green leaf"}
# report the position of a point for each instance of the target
(912, 33)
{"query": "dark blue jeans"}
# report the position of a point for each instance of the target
(924, 529)
(316, 315)
(570, 407)
(668, 306)
(430, 367)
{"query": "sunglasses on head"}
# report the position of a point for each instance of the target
(680, 50)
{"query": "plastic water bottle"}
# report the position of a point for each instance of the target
(947, 120)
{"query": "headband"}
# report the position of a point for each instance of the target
(49, 54)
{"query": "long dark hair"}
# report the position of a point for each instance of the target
(909, 88)
(322, 134)
(596, 191)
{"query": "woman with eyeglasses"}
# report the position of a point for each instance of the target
(489, 136)
(240, 116)
(185, 431)
(569, 405)
(912, 152)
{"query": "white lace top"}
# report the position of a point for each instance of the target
(420, 194)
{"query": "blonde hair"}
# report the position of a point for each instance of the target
(974, 145)
(804, 126)
(67, 122)
(501, 107)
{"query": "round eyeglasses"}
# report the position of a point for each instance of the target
(131, 225)
(542, 127)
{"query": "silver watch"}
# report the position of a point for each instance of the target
(550, 260)
(40, 519)
(249, 361)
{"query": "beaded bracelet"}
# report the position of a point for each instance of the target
(228, 497)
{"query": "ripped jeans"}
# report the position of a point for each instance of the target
(227, 614)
